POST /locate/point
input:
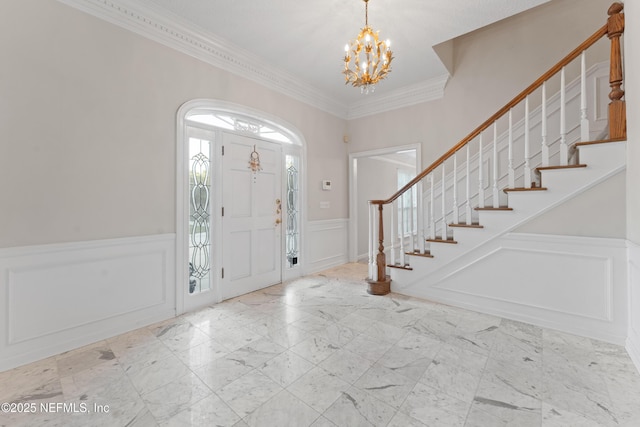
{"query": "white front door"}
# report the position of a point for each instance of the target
(252, 218)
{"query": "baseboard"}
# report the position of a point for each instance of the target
(633, 338)
(572, 284)
(326, 244)
(63, 296)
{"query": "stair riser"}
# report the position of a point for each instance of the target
(603, 155)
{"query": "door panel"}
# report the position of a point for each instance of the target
(251, 231)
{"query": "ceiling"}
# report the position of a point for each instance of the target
(303, 41)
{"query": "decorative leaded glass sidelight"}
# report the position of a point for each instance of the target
(293, 209)
(199, 215)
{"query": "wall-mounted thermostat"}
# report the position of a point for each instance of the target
(326, 184)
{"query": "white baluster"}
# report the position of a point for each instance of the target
(564, 148)
(432, 214)
(467, 181)
(496, 193)
(394, 231)
(512, 171)
(480, 175)
(412, 243)
(545, 146)
(444, 202)
(527, 150)
(401, 219)
(456, 219)
(372, 258)
(584, 121)
(420, 213)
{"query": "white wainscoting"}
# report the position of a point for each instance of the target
(326, 244)
(572, 284)
(58, 297)
(633, 339)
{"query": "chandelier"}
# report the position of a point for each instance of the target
(371, 58)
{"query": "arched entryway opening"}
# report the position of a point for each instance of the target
(239, 198)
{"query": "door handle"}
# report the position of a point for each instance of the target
(278, 210)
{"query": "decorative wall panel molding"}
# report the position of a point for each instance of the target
(326, 244)
(63, 296)
(633, 339)
(573, 284)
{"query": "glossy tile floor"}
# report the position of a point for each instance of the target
(319, 351)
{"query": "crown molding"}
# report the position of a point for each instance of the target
(173, 31)
(428, 90)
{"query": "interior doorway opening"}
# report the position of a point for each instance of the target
(376, 174)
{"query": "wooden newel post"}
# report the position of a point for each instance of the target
(381, 259)
(617, 107)
(381, 284)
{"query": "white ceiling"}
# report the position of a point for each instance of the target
(303, 41)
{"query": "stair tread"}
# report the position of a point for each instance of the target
(501, 208)
(465, 225)
(422, 254)
(506, 190)
(401, 267)
(546, 168)
(440, 240)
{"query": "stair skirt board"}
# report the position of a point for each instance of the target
(576, 285)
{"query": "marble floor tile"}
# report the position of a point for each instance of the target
(369, 348)
(282, 410)
(176, 396)
(337, 334)
(356, 408)
(286, 368)
(210, 411)
(202, 354)
(320, 351)
(456, 372)
(386, 385)
(314, 349)
(221, 372)
(77, 361)
(318, 388)
(158, 374)
(249, 392)
(346, 365)
(432, 407)
(401, 419)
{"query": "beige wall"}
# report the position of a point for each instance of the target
(632, 87)
(87, 127)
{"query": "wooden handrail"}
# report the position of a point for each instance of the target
(515, 101)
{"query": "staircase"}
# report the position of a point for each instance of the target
(534, 154)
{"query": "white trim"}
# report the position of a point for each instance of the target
(353, 188)
(297, 146)
(62, 296)
(428, 90)
(327, 244)
(171, 30)
(633, 336)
